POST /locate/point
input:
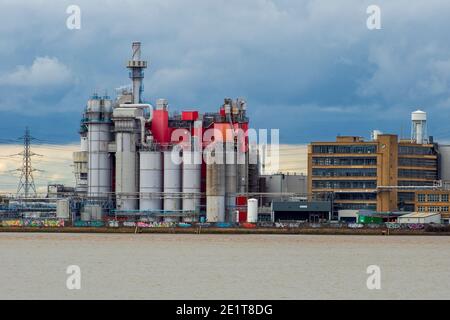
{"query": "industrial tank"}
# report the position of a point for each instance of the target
(126, 127)
(215, 189)
(419, 126)
(150, 181)
(172, 186)
(191, 182)
(126, 171)
(252, 211)
(99, 135)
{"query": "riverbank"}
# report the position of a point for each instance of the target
(213, 230)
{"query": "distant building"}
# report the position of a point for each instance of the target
(58, 191)
(380, 174)
(276, 184)
(308, 211)
(433, 201)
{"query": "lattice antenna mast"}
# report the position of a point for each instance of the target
(26, 183)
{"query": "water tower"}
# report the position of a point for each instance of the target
(419, 127)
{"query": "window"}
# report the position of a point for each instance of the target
(421, 197)
(417, 162)
(350, 184)
(344, 161)
(433, 209)
(331, 149)
(444, 197)
(415, 150)
(421, 209)
(444, 209)
(433, 198)
(426, 174)
(347, 172)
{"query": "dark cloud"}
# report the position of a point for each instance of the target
(310, 68)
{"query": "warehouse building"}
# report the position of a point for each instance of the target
(308, 211)
(420, 218)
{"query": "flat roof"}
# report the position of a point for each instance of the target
(420, 214)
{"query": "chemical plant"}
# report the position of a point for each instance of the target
(137, 160)
(148, 165)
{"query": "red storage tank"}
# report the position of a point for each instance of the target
(242, 216)
(241, 204)
(160, 126)
(241, 201)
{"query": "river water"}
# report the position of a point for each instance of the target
(164, 266)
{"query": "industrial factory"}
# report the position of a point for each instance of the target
(142, 161)
(146, 164)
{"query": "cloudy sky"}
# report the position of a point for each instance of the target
(311, 68)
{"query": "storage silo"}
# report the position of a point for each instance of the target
(172, 186)
(419, 127)
(215, 188)
(126, 127)
(150, 182)
(252, 211)
(98, 115)
(191, 182)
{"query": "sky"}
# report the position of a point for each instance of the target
(310, 68)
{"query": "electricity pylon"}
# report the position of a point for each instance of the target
(26, 186)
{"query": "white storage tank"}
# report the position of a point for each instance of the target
(172, 186)
(252, 210)
(150, 181)
(191, 182)
(419, 126)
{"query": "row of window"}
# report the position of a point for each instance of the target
(347, 172)
(415, 150)
(416, 183)
(339, 184)
(406, 196)
(345, 149)
(355, 196)
(432, 197)
(355, 206)
(361, 149)
(426, 174)
(340, 161)
(414, 162)
(433, 209)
